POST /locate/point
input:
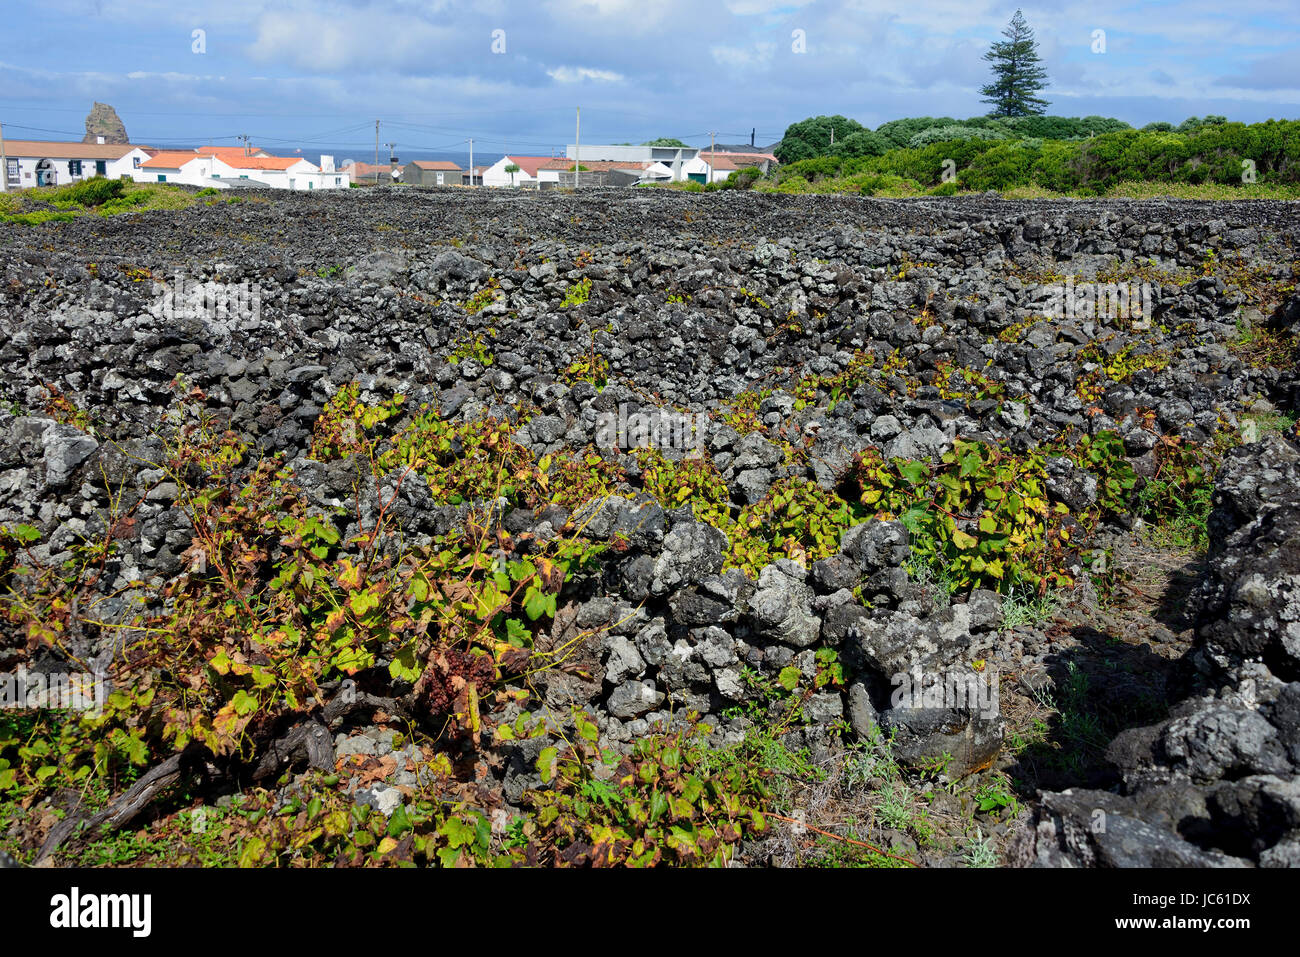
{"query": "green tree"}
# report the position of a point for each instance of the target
(666, 141)
(1016, 73)
(815, 136)
(863, 143)
(512, 169)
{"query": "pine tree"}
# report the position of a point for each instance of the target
(1017, 75)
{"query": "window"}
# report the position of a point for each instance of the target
(338, 180)
(310, 184)
(135, 162)
(440, 179)
(101, 167)
(11, 170)
(162, 177)
(74, 167)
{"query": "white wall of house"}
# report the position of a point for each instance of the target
(60, 170)
(210, 171)
(496, 175)
(672, 157)
(699, 166)
(657, 173)
(196, 172)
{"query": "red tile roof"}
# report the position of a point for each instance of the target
(261, 162)
(741, 159)
(367, 169)
(530, 164)
(596, 166)
(436, 165)
(169, 159)
(227, 153)
(58, 150)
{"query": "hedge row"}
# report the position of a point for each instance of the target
(1219, 153)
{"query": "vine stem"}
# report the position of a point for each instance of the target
(846, 840)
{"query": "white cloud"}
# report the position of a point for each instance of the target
(577, 74)
(759, 54)
(325, 44)
(745, 8)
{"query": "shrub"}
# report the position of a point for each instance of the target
(87, 193)
(743, 178)
(1003, 166)
(946, 134)
(863, 144)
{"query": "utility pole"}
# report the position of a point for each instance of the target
(752, 133)
(4, 163)
(713, 153)
(471, 161)
(376, 152)
(577, 147)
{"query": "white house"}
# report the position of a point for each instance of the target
(45, 163)
(673, 157)
(710, 167)
(224, 167)
(527, 175)
(603, 172)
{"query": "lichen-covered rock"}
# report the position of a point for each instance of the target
(781, 608)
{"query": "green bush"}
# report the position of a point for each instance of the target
(945, 134)
(87, 193)
(814, 137)
(1002, 167)
(38, 217)
(863, 144)
(743, 178)
(900, 132)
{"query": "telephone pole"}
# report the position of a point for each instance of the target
(4, 163)
(376, 152)
(577, 147)
(471, 161)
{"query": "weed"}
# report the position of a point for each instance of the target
(577, 294)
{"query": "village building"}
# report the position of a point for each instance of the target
(432, 173)
(31, 163)
(526, 175)
(672, 157)
(224, 168)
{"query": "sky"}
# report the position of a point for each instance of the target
(318, 73)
